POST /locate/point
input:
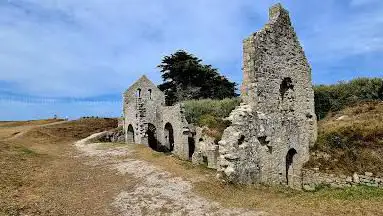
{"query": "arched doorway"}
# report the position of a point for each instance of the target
(130, 134)
(152, 137)
(169, 137)
(290, 166)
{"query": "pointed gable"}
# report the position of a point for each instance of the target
(145, 89)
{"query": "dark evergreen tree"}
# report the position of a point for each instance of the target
(185, 77)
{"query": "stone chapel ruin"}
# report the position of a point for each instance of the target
(271, 131)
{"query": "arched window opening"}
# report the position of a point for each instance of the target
(285, 86)
(169, 137)
(290, 165)
(138, 93)
(150, 94)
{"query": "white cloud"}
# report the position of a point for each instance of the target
(93, 47)
(102, 46)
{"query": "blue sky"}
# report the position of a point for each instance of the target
(75, 57)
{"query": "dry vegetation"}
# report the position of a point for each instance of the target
(41, 175)
(275, 201)
(351, 140)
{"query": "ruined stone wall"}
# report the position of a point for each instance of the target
(206, 149)
(313, 179)
(130, 113)
(174, 115)
(271, 132)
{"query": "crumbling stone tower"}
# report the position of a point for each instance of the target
(269, 139)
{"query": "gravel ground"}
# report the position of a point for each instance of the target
(156, 192)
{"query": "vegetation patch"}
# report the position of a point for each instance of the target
(350, 193)
(211, 113)
(350, 140)
(333, 98)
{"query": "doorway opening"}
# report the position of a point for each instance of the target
(290, 165)
(169, 137)
(152, 137)
(130, 134)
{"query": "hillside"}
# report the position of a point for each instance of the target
(36, 166)
(350, 140)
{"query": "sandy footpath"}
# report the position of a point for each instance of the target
(156, 192)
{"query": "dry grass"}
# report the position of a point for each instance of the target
(40, 174)
(276, 201)
(355, 143)
(27, 123)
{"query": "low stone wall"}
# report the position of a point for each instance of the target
(115, 135)
(312, 178)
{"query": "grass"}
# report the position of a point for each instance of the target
(359, 200)
(354, 142)
(38, 175)
(351, 193)
(210, 113)
(27, 151)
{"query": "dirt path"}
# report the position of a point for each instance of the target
(19, 131)
(156, 192)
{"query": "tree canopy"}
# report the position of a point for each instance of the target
(185, 77)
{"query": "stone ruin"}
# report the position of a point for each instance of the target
(271, 131)
(146, 120)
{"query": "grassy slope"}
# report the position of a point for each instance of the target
(24, 158)
(353, 143)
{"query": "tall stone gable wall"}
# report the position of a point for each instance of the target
(270, 135)
(141, 109)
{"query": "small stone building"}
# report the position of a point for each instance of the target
(269, 139)
(148, 121)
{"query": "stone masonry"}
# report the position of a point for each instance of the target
(313, 178)
(268, 141)
(146, 120)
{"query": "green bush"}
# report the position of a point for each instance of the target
(207, 109)
(208, 120)
(331, 98)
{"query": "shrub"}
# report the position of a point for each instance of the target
(332, 98)
(210, 113)
(196, 109)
